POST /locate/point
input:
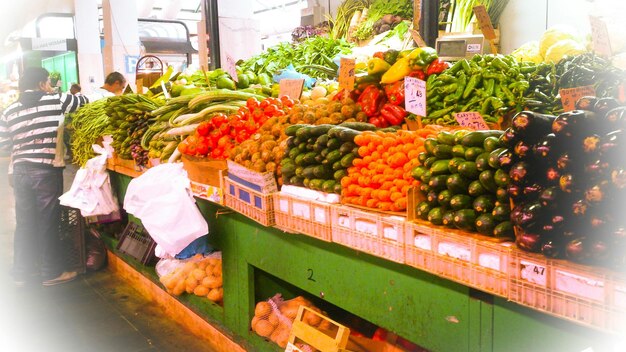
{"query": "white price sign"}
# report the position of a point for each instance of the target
(231, 67)
(415, 95)
(454, 250)
(600, 37)
(534, 273)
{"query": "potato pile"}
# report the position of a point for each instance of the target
(199, 276)
(275, 324)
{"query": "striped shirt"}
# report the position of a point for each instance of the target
(31, 131)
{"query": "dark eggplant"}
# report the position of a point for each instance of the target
(613, 147)
(596, 169)
(530, 215)
(615, 119)
(554, 247)
(591, 144)
(575, 250)
(564, 162)
(597, 193)
(604, 105)
(549, 196)
(508, 138)
(522, 149)
(579, 209)
(571, 123)
(553, 175)
(516, 214)
(618, 179)
(586, 103)
(532, 191)
(516, 192)
(547, 147)
(570, 183)
(530, 242)
(501, 158)
(520, 172)
(530, 125)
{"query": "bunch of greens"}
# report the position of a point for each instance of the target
(312, 51)
(345, 12)
(379, 8)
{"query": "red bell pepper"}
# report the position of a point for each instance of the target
(437, 66)
(371, 100)
(379, 54)
(418, 74)
(393, 114)
(395, 92)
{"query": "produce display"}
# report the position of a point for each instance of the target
(87, 125)
(318, 156)
(462, 185)
(567, 180)
(273, 318)
(381, 16)
(129, 118)
(201, 276)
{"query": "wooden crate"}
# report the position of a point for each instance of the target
(204, 170)
(308, 217)
(370, 232)
(248, 202)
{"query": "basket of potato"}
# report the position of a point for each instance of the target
(273, 318)
(199, 275)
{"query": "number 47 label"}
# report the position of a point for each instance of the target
(532, 272)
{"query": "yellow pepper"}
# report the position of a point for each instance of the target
(377, 65)
(398, 71)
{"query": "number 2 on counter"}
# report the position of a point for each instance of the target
(310, 271)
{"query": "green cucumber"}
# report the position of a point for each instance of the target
(502, 195)
(431, 198)
(504, 230)
(475, 189)
(347, 159)
(435, 216)
(484, 204)
(469, 170)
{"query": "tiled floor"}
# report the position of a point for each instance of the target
(97, 312)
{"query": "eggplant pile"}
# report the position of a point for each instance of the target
(567, 181)
(463, 188)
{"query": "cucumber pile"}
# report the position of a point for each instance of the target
(462, 183)
(318, 156)
(568, 182)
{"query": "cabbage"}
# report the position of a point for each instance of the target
(555, 34)
(562, 48)
(528, 52)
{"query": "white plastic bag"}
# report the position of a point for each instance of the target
(91, 189)
(162, 200)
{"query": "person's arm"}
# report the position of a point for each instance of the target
(70, 103)
(5, 137)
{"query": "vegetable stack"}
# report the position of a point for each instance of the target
(130, 118)
(462, 188)
(87, 125)
(568, 182)
(319, 156)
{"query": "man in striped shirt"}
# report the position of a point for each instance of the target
(30, 127)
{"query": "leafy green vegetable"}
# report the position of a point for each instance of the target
(379, 8)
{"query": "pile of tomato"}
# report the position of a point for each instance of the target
(216, 137)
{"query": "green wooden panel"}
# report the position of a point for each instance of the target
(517, 328)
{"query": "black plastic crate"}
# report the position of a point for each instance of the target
(72, 234)
(137, 243)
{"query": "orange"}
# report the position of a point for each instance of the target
(384, 195)
(401, 203)
(395, 196)
(371, 203)
(384, 206)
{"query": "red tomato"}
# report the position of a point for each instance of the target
(191, 149)
(251, 126)
(257, 114)
(216, 153)
(252, 103)
(203, 129)
(202, 149)
(182, 147)
(270, 110)
(223, 141)
(288, 102)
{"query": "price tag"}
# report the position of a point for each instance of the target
(291, 88)
(366, 227)
(231, 67)
(346, 73)
(454, 250)
(301, 210)
(344, 221)
(600, 37)
(569, 96)
(534, 273)
(415, 95)
(417, 38)
(579, 285)
(471, 119)
(484, 22)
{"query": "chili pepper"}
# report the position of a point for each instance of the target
(441, 112)
(395, 92)
(465, 65)
(490, 85)
(446, 78)
(471, 85)
(455, 68)
(499, 64)
(377, 65)
(437, 66)
(417, 74)
(379, 54)
(371, 100)
(396, 72)
(461, 83)
(393, 114)
(391, 56)
(471, 103)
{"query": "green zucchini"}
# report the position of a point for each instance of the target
(501, 178)
(319, 130)
(472, 153)
(438, 183)
(457, 183)
(439, 167)
(291, 130)
(453, 165)
(430, 161)
(448, 218)
(502, 195)
(421, 157)
(346, 160)
(469, 170)
(328, 186)
(359, 126)
(429, 145)
(477, 138)
(333, 143)
(444, 197)
(339, 174)
(501, 212)
(484, 204)
(460, 201)
(482, 162)
(458, 151)
(486, 179)
(491, 143)
(485, 224)
(422, 210)
(435, 216)
(431, 198)
(504, 230)
(426, 177)
(445, 137)
(347, 147)
(475, 189)
(465, 219)
(418, 171)
(332, 157)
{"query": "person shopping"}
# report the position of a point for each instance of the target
(30, 127)
(114, 84)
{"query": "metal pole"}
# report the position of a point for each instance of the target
(212, 29)
(429, 22)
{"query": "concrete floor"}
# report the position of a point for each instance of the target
(97, 312)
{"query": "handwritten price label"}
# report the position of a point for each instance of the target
(600, 37)
(415, 95)
(291, 88)
(484, 22)
(569, 96)
(346, 73)
(231, 67)
(471, 119)
(534, 273)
